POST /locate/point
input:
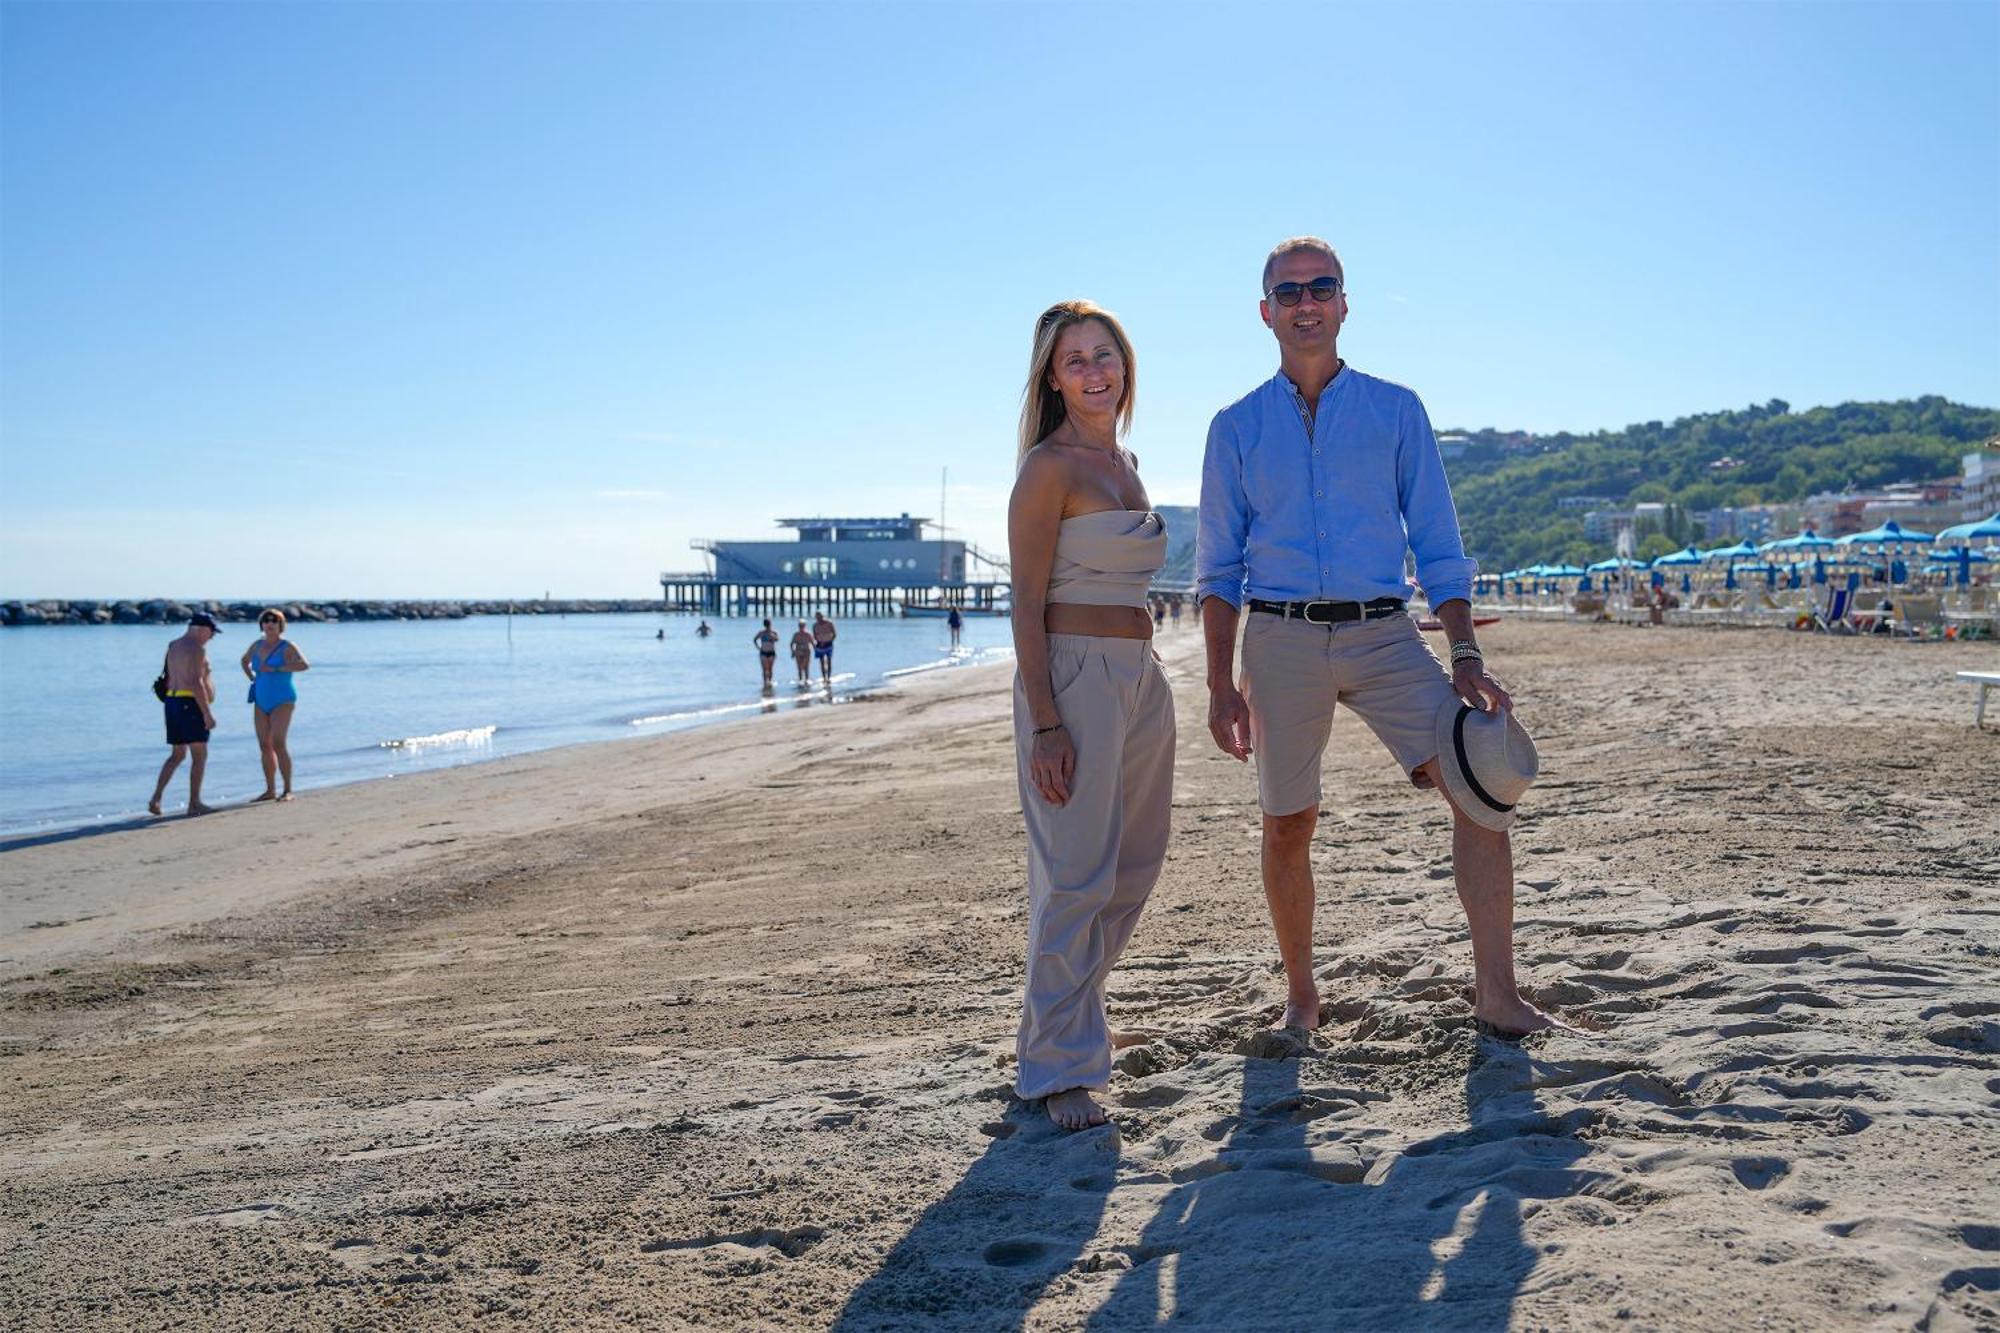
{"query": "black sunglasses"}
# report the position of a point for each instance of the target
(1290, 293)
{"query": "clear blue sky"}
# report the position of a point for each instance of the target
(481, 299)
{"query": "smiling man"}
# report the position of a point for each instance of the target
(1315, 487)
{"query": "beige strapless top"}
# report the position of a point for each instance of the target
(1107, 558)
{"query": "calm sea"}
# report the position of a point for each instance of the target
(81, 736)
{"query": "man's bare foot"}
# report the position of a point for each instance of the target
(1302, 1014)
(1121, 1038)
(1511, 1022)
(267, 796)
(153, 806)
(197, 808)
(1075, 1109)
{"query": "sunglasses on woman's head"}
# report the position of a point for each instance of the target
(1290, 293)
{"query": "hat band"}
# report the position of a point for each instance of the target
(1465, 764)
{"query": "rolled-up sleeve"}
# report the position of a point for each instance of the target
(1224, 518)
(1443, 570)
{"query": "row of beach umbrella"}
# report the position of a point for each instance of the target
(1953, 548)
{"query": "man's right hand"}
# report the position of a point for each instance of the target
(1229, 721)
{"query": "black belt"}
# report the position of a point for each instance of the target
(1331, 613)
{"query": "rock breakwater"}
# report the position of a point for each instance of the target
(168, 611)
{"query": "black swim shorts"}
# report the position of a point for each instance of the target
(184, 722)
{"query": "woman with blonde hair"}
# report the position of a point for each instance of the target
(1093, 717)
(270, 663)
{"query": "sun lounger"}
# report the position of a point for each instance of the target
(1833, 620)
(1920, 617)
(1986, 681)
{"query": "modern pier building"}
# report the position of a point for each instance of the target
(851, 565)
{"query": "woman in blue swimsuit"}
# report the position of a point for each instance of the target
(270, 663)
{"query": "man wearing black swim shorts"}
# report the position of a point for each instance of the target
(190, 714)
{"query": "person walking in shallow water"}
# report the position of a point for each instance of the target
(1093, 716)
(270, 663)
(190, 711)
(824, 634)
(766, 640)
(802, 653)
(1315, 485)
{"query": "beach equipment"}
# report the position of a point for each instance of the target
(1739, 551)
(1809, 540)
(1688, 556)
(1959, 559)
(1891, 533)
(1964, 534)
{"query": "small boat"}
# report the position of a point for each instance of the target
(1434, 626)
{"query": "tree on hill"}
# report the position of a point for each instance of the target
(1764, 454)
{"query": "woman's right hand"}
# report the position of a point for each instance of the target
(1051, 765)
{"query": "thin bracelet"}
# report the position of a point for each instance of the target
(1041, 731)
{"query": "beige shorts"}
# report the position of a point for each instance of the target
(1294, 673)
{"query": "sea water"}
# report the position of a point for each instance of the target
(82, 739)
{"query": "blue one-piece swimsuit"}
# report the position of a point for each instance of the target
(275, 687)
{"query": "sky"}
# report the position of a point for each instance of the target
(468, 300)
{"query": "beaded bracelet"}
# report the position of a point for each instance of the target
(1465, 650)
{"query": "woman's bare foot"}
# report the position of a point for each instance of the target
(197, 808)
(286, 797)
(267, 796)
(1075, 1109)
(153, 806)
(1300, 1012)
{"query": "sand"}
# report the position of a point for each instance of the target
(714, 1030)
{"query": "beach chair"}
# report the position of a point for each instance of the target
(1971, 612)
(1920, 617)
(1833, 620)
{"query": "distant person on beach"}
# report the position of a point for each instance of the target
(956, 624)
(190, 710)
(766, 640)
(270, 663)
(802, 652)
(1174, 610)
(1315, 485)
(1093, 717)
(702, 630)
(823, 636)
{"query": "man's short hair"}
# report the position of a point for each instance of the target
(1292, 246)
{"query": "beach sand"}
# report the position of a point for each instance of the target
(714, 1030)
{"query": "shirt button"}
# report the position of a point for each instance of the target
(1315, 451)
(1318, 494)
(1322, 534)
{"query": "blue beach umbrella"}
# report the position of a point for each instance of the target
(1891, 533)
(1689, 556)
(1958, 558)
(1964, 534)
(1739, 551)
(1808, 540)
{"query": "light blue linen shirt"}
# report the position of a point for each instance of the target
(1292, 515)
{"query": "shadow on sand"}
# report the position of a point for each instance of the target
(1306, 1212)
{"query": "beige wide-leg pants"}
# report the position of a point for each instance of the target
(1091, 862)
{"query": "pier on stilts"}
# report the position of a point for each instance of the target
(842, 566)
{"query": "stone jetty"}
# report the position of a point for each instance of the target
(167, 611)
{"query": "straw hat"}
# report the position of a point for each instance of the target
(1487, 761)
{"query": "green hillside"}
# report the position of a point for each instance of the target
(1507, 500)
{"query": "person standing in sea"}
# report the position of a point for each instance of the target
(802, 653)
(823, 636)
(270, 663)
(766, 640)
(1093, 715)
(189, 706)
(956, 624)
(1315, 486)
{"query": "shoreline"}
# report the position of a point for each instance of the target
(716, 1031)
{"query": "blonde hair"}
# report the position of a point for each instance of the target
(1042, 408)
(1293, 246)
(272, 613)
